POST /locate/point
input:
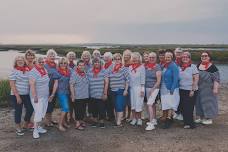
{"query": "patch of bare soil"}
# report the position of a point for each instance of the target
(213, 138)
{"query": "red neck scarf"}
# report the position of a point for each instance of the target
(71, 64)
(135, 66)
(162, 63)
(166, 65)
(64, 72)
(150, 65)
(23, 69)
(96, 71)
(41, 70)
(117, 68)
(178, 61)
(206, 64)
(186, 65)
(50, 64)
(107, 65)
(80, 73)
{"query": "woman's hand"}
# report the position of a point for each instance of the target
(35, 99)
(19, 101)
(125, 93)
(72, 98)
(215, 91)
(105, 97)
(142, 93)
(191, 93)
(50, 98)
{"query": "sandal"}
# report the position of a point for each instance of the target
(79, 127)
(61, 128)
(54, 122)
(49, 125)
(19, 132)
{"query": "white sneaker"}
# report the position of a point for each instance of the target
(154, 122)
(150, 127)
(139, 122)
(175, 116)
(207, 121)
(41, 130)
(198, 121)
(36, 134)
(179, 117)
(133, 122)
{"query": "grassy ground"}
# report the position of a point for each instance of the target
(4, 92)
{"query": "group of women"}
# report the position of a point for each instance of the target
(115, 87)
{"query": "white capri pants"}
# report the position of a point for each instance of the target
(151, 97)
(170, 101)
(40, 108)
(136, 99)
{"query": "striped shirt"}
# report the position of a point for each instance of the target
(81, 85)
(21, 81)
(118, 80)
(151, 77)
(137, 78)
(41, 83)
(96, 84)
(53, 75)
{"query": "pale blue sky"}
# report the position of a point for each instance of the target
(113, 21)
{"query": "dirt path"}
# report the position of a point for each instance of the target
(212, 138)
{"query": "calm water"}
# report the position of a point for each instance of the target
(7, 58)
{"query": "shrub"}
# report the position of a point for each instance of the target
(4, 92)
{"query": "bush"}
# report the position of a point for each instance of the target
(4, 92)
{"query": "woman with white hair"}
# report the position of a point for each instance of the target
(153, 80)
(39, 94)
(169, 88)
(50, 66)
(71, 56)
(96, 54)
(137, 87)
(86, 57)
(108, 64)
(19, 84)
(126, 60)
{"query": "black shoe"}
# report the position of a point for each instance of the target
(94, 125)
(167, 123)
(102, 125)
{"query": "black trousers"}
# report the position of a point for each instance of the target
(109, 106)
(18, 108)
(80, 108)
(187, 103)
(97, 106)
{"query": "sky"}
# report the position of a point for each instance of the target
(114, 21)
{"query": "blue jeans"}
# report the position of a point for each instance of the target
(18, 108)
(64, 102)
(119, 100)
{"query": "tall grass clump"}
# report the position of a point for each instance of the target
(4, 92)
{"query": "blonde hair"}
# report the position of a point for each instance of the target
(96, 51)
(17, 58)
(70, 53)
(51, 52)
(117, 55)
(86, 53)
(39, 58)
(153, 54)
(108, 54)
(138, 55)
(127, 51)
(61, 60)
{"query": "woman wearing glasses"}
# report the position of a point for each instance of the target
(119, 82)
(206, 103)
(62, 91)
(39, 94)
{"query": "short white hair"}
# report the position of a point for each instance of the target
(70, 53)
(108, 55)
(51, 52)
(127, 51)
(153, 54)
(96, 51)
(178, 50)
(138, 55)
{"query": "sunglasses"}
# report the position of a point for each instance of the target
(204, 56)
(64, 63)
(118, 59)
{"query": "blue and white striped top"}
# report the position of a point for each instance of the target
(96, 84)
(118, 80)
(81, 85)
(41, 83)
(21, 81)
(137, 78)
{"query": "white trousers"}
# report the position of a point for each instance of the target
(136, 99)
(40, 108)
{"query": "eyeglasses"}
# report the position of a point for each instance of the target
(64, 63)
(204, 56)
(152, 57)
(185, 56)
(41, 62)
(118, 59)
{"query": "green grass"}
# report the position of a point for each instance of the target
(4, 92)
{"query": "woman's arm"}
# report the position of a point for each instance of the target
(106, 81)
(32, 83)
(215, 87)
(175, 73)
(72, 92)
(158, 82)
(55, 86)
(14, 90)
